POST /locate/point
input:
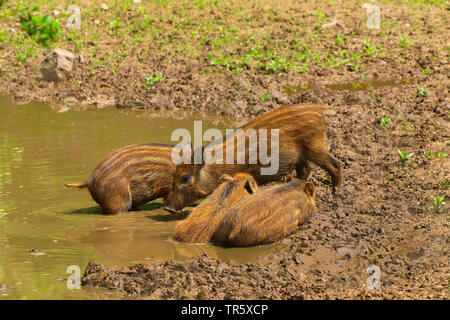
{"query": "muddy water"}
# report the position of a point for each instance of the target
(40, 150)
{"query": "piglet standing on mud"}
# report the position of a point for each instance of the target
(130, 177)
(302, 138)
(267, 216)
(202, 222)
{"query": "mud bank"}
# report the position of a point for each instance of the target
(308, 267)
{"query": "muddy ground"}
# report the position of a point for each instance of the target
(384, 214)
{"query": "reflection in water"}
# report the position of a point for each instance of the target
(147, 236)
(10, 157)
(40, 150)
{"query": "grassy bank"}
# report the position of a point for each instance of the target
(178, 54)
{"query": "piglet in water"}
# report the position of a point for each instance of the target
(203, 221)
(130, 177)
(267, 216)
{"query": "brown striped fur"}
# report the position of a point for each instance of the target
(131, 176)
(267, 216)
(302, 139)
(202, 222)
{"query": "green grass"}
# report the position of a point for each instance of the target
(384, 122)
(267, 96)
(438, 202)
(44, 29)
(340, 41)
(405, 157)
(445, 185)
(153, 80)
(442, 156)
(236, 39)
(422, 91)
(404, 42)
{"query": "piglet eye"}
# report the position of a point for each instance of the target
(185, 178)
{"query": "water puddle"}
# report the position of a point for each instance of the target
(40, 151)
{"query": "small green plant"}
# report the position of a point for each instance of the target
(25, 52)
(152, 80)
(69, 100)
(390, 177)
(304, 68)
(445, 184)
(384, 122)
(438, 202)
(404, 42)
(422, 91)
(229, 64)
(430, 155)
(357, 85)
(276, 64)
(425, 71)
(340, 40)
(369, 49)
(355, 57)
(267, 96)
(319, 14)
(114, 25)
(42, 29)
(3, 37)
(404, 157)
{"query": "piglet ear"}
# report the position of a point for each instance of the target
(251, 185)
(226, 177)
(310, 189)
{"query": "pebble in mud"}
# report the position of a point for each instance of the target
(57, 65)
(34, 253)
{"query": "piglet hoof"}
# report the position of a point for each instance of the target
(170, 210)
